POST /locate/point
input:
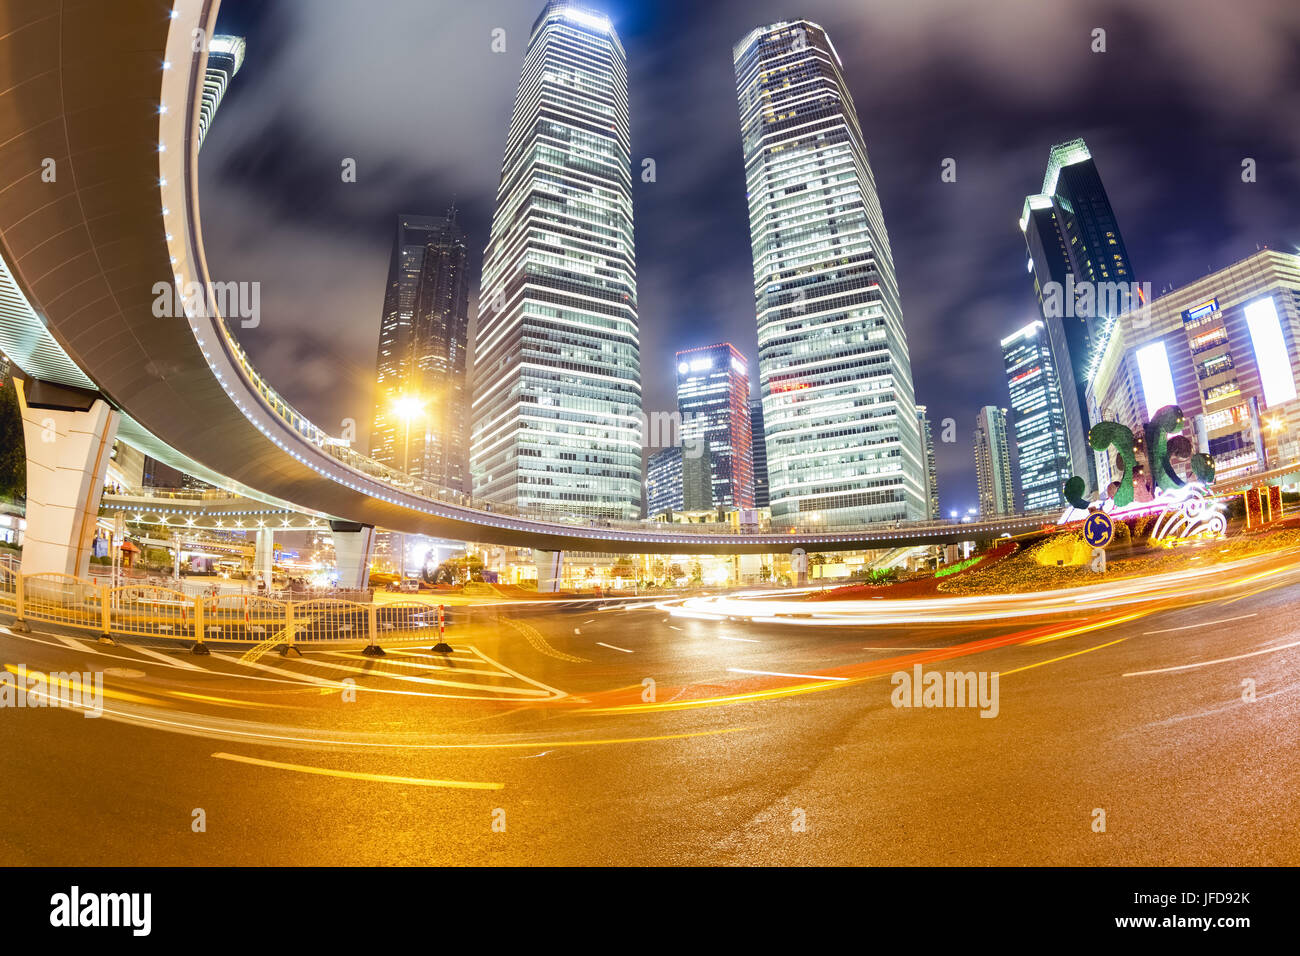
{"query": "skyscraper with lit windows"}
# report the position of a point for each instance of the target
(713, 400)
(557, 373)
(1042, 447)
(1072, 236)
(993, 463)
(838, 402)
(420, 389)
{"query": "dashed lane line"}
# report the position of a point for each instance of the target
(1221, 660)
(612, 647)
(1188, 627)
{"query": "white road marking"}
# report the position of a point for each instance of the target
(741, 670)
(747, 640)
(1187, 627)
(674, 627)
(612, 647)
(578, 630)
(165, 658)
(513, 673)
(349, 656)
(301, 678)
(73, 643)
(1221, 660)
(413, 679)
(589, 621)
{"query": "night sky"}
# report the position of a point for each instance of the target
(413, 92)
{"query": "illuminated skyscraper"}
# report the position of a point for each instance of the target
(1072, 236)
(758, 442)
(1041, 444)
(993, 463)
(557, 370)
(931, 469)
(713, 399)
(225, 57)
(420, 390)
(838, 402)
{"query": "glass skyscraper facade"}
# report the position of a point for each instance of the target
(838, 402)
(677, 479)
(1042, 449)
(713, 400)
(758, 443)
(931, 467)
(993, 463)
(420, 388)
(1072, 236)
(557, 373)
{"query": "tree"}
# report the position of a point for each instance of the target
(13, 450)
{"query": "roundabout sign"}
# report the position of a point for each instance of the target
(1098, 529)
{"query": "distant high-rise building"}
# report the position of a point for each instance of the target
(1072, 236)
(838, 402)
(931, 469)
(713, 400)
(420, 389)
(677, 479)
(557, 366)
(993, 463)
(1042, 448)
(758, 443)
(225, 57)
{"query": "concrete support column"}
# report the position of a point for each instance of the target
(263, 554)
(353, 545)
(550, 568)
(69, 436)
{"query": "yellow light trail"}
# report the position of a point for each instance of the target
(357, 775)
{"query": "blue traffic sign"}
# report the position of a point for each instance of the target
(1098, 529)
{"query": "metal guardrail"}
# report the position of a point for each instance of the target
(164, 613)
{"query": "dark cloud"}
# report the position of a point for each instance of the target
(412, 90)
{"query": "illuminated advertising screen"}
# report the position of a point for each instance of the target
(1157, 380)
(1271, 356)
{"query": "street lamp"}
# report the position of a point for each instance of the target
(406, 407)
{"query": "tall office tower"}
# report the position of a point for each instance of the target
(557, 366)
(713, 400)
(758, 446)
(677, 480)
(420, 392)
(838, 402)
(1071, 236)
(993, 463)
(225, 57)
(1041, 445)
(931, 469)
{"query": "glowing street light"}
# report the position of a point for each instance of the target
(407, 407)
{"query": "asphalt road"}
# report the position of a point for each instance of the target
(539, 741)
